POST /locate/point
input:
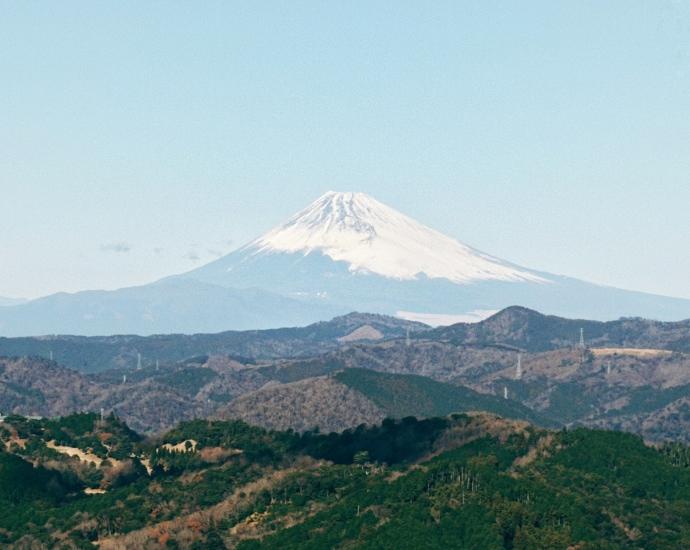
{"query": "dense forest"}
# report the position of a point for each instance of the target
(463, 481)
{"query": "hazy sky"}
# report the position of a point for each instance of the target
(143, 139)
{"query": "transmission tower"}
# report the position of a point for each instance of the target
(518, 370)
(407, 338)
(582, 338)
(608, 367)
(505, 392)
(139, 361)
(51, 355)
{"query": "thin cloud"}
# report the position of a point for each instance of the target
(220, 248)
(116, 247)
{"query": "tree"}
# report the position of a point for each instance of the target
(361, 458)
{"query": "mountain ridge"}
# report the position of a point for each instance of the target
(97, 353)
(534, 331)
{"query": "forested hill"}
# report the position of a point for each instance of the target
(532, 331)
(464, 481)
(513, 328)
(99, 353)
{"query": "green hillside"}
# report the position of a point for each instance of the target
(410, 395)
(460, 482)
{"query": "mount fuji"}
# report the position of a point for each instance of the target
(344, 252)
(349, 251)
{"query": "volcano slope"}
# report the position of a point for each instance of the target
(344, 252)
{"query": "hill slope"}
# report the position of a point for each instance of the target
(532, 331)
(321, 402)
(409, 395)
(457, 482)
(150, 400)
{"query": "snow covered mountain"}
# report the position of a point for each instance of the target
(349, 251)
(373, 238)
(344, 252)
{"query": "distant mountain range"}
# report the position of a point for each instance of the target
(11, 301)
(344, 252)
(632, 374)
(99, 353)
(514, 328)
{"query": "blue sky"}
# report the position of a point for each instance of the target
(143, 139)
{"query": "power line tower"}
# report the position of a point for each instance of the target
(138, 361)
(156, 364)
(51, 355)
(582, 338)
(407, 338)
(518, 370)
(505, 392)
(608, 367)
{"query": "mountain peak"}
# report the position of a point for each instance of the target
(374, 238)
